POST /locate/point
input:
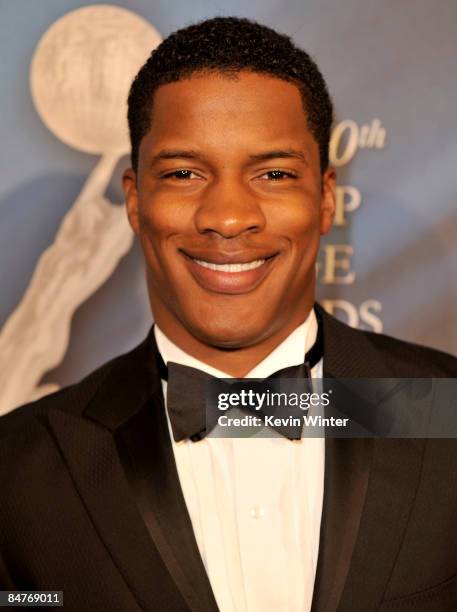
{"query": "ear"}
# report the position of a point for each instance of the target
(328, 200)
(131, 198)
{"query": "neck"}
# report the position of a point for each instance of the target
(236, 362)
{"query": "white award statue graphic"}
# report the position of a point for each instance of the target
(80, 76)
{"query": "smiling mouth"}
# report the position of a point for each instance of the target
(229, 274)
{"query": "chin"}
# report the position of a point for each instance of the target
(231, 334)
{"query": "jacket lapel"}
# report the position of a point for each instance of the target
(128, 480)
(361, 529)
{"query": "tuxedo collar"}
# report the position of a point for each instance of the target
(288, 353)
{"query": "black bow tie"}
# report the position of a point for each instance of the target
(187, 393)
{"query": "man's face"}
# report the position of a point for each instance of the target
(229, 205)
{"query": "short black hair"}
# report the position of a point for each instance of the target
(230, 44)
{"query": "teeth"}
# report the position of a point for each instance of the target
(233, 267)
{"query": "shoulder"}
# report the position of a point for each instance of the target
(356, 353)
(71, 399)
(31, 456)
(410, 360)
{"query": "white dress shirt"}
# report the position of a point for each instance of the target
(255, 503)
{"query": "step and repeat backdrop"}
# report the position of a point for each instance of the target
(72, 278)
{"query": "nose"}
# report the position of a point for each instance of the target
(228, 208)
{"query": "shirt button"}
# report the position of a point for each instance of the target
(257, 512)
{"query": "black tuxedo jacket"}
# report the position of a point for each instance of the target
(90, 501)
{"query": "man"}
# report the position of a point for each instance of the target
(111, 489)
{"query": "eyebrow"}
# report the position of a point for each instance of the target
(174, 154)
(256, 157)
(279, 153)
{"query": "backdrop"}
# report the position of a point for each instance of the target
(72, 287)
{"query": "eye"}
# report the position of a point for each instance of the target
(181, 175)
(277, 175)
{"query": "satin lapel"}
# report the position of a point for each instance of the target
(347, 469)
(361, 528)
(121, 460)
(147, 456)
